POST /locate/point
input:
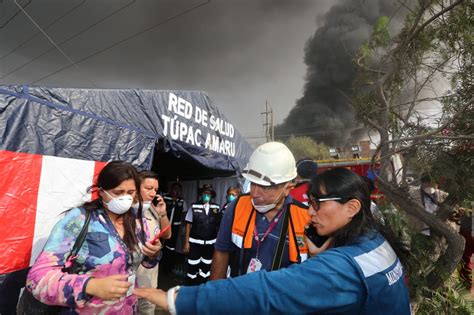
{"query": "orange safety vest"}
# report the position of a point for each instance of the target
(299, 218)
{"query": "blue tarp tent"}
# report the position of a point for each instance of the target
(100, 125)
(53, 141)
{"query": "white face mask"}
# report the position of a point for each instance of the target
(430, 190)
(146, 205)
(266, 208)
(119, 205)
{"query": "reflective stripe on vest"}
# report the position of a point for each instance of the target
(299, 216)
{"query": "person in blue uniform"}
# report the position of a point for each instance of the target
(202, 224)
(360, 273)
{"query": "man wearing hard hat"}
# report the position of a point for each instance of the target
(266, 227)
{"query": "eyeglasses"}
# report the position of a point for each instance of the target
(316, 202)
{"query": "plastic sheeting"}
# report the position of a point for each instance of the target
(38, 124)
(101, 125)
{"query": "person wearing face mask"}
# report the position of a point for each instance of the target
(361, 273)
(431, 198)
(154, 212)
(116, 244)
(232, 194)
(202, 223)
(266, 227)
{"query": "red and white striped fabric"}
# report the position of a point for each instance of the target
(35, 190)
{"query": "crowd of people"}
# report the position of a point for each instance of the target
(255, 248)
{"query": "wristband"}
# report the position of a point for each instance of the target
(162, 216)
(170, 299)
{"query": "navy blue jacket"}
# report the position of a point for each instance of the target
(363, 278)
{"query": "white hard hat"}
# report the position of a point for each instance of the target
(270, 164)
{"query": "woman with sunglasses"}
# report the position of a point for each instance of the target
(359, 274)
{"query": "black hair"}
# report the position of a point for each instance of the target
(370, 183)
(148, 174)
(111, 176)
(233, 188)
(344, 183)
(176, 184)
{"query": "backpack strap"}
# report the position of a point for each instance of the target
(288, 222)
(278, 256)
(294, 236)
(71, 265)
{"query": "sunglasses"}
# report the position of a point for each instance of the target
(316, 202)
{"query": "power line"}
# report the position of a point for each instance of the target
(54, 43)
(324, 134)
(290, 132)
(69, 38)
(46, 27)
(255, 137)
(14, 15)
(124, 40)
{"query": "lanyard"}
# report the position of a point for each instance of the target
(104, 218)
(267, 232)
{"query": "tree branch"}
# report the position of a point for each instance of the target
(439, 129)
(448, 261)
(434, 17)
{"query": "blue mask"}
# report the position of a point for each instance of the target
(231, 198)
(206, 197)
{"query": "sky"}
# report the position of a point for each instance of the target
(241, 52)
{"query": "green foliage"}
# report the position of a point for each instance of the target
(365, 50)
(380, 37)
(418, 263)
(428, 64)
(445, 300)
(306, 147)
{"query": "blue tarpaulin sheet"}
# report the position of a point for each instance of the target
(126, 124)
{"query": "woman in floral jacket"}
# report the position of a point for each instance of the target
(114, 247)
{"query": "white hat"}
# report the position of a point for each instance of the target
(270, 164)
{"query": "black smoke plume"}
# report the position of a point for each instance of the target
(324, 112)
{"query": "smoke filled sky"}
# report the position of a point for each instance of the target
(239, 52)
(324, 110)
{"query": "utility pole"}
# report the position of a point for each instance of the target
(268, 125)
(272, 126)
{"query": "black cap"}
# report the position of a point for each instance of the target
(207, 187)
(306, 168)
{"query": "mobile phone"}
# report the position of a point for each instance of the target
(159, 235)
(155, 201)
(312, 234)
